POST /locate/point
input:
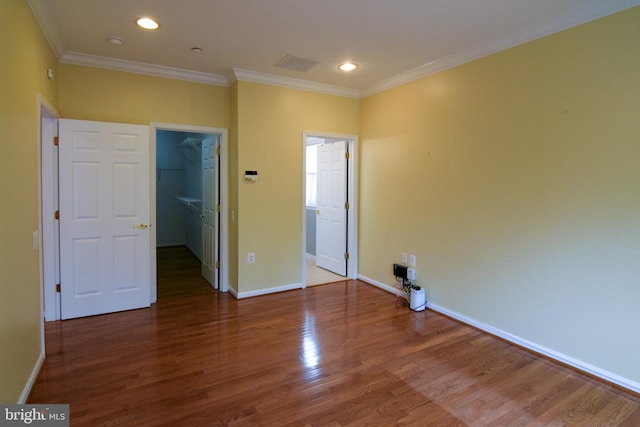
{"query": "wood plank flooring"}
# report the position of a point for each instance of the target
(343, 354)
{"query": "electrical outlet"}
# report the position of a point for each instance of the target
(404, 257)
(412, 260)
(251, 258)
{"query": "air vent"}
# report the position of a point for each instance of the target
(295, 63)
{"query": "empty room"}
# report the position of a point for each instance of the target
(464, 176)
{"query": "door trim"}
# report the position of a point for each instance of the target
(48, 249)
(224, 197)
(352, 199)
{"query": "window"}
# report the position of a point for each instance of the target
(312, 175)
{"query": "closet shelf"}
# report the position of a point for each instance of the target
(192, 143)
(190, 202)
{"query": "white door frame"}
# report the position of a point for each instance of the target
(224, 197)
(49, 250)
(352, 199)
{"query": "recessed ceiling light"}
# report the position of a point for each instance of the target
(348, 66)
(147, 23)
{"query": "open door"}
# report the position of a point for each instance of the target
(331, 226)
(210, 209)
(105, 253)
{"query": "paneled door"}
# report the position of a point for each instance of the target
(104, 213)
(209, 209)
(331, 225)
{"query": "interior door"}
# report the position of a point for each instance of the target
(209, 211)
(105, 253)
(331, 225)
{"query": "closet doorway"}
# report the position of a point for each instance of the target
(189, 181)
(329, 208)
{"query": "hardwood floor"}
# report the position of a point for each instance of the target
(343, 354)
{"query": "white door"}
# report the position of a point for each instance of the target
(331, 225)
(105, 253)
(209, 213)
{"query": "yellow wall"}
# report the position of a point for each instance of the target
(270, 125)
(515, 180)
(26, 57)
(89, 93)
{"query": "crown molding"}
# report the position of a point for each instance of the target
(571, 18)
(142, 68)
(273, 80)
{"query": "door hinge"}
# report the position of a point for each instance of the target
(346, 255)
(346, 206)
(58, 287)
(217, 264)
(56, 215)
(217, 208)
(346, 155)
(217, 151)
(56, 141)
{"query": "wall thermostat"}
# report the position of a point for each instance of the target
(250, 176)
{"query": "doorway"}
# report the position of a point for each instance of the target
(329, 250)
(189, 189)
(50, 274)
(48, 199)
(180, 191)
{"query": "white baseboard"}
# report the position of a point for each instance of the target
(377, 284)
(32, 379)
(240, 295)
(233, 292)
(536, 348)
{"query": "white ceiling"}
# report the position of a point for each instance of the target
(393, 41)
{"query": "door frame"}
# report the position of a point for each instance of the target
(352, 199)
(49, 249)
(224, 197)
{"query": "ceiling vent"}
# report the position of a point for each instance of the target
(295, 63)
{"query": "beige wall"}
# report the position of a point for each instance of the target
(89, 93)
(515, 180)
(26, 57)
(269, 214)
